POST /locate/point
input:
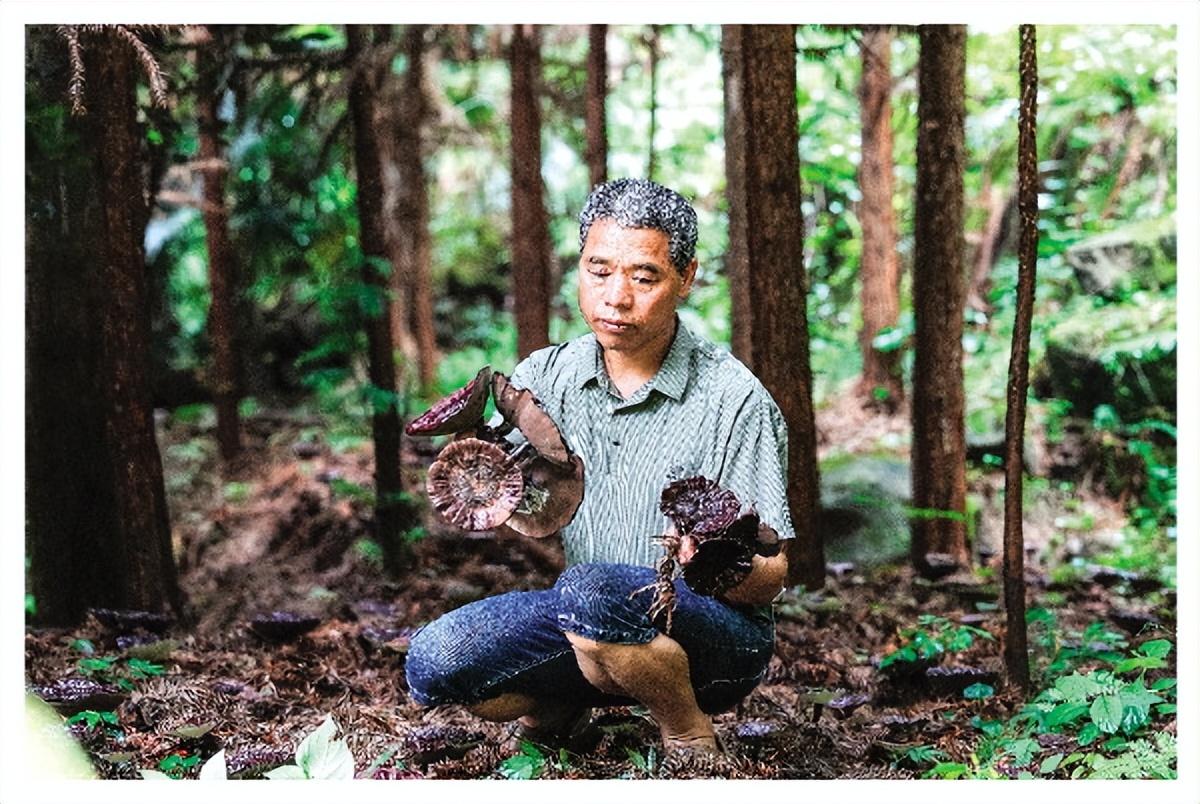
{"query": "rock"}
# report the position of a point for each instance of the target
(1133, 621)
(428, 744)
(862, 517)
(1141, 255)
(70, 696)
(306, 450)
(1121, 354)
(127, 620)
(282, 626)
(840, 570)
(944, 681)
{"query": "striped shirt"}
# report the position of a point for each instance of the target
(703, 413)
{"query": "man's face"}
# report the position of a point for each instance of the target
(628, 289)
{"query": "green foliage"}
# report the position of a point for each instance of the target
(528, 764)
(123, 672)
(95, 720)
(319, 756)
(178, 764)
(933, 637)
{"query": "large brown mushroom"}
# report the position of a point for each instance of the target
(459, 412)
(481, 480)
(552, 496)
(725, 537)
(521, 409)
(473, 484)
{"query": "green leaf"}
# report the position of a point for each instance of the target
(320, 756)
(285, 772)
(1076, 687)
(1106, 713)
(526, 765)
(976, 692)
(946, 770)
(1163, 684)
(1022, 750)
(1065, 713)
(84, 646)
(1088, 734)
(214, 769)
(1156, 648)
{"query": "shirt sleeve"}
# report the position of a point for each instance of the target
(755, 466)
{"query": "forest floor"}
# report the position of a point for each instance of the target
(288, 530)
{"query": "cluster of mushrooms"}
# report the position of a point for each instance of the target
(481, 480)
(727, 535)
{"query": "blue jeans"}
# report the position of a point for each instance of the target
(514, 642)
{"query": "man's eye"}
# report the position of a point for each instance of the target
(644, 280)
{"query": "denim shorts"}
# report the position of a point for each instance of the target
(514, 642)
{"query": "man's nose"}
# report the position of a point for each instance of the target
(617, 291)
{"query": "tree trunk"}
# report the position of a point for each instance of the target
(880, 384)
(767, 278)
(997, 201)
(597, 95)
(222, 264)
(97, 516)
(1016, 656)
(413, 276)
(390, 514)
(530, 232)
(652, 45)
(938, 441)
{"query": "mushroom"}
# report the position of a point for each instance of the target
(552, 496)
(521, 409)
(481, 481)
(474, 484)
(457, 413)
(726, 537)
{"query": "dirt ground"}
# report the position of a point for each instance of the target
(285, 531)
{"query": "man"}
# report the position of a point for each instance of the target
(644, 402)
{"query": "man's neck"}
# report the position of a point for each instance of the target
(629, 371)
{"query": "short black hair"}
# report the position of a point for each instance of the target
(644, 204)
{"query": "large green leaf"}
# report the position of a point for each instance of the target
(1076, 687)
(1106, 713)
(322, 757)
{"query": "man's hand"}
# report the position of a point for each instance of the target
(764, 582)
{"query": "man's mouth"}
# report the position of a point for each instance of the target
(610, 325)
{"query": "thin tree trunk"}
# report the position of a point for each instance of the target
(222, 263)
(1016, 657)
(765, 263)
(530, 232)
(938, 441)
(997, 202)
(652, 44)
(880, 267)
(414, 268)
(390, 514)
(1129, 165)
(597, 94)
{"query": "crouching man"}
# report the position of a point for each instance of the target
(644, 402)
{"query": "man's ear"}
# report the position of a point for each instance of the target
(689, 276)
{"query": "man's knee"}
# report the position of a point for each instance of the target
(436, 667)
(607, 603)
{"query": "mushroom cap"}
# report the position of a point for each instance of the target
(462, 410)
(717, 565)
(699, 506)
(474, 485)
(564, 492)
(521, 409)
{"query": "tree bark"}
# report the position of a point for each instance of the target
(597, 94)
(413, 276)
(765, 257)
(652, 45)
(938, 441)
(222, 264)
(997, 201)
(97, 516)
(390, 514)
(880, 267)
(1016, 656)
(530, 229)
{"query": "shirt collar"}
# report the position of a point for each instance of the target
(671, 379)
